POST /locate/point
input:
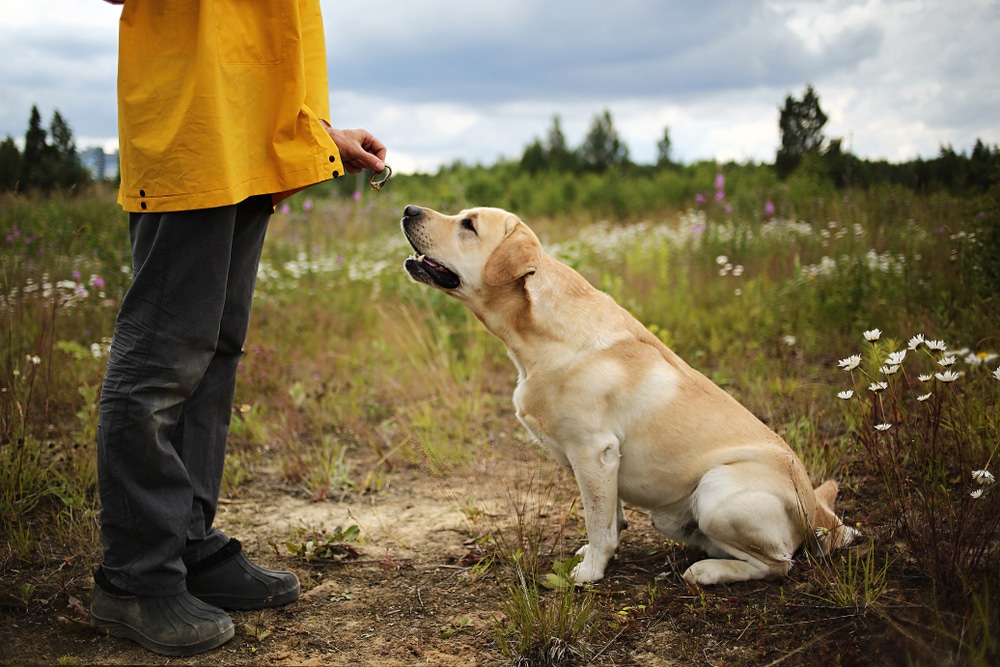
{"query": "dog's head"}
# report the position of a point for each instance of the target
(465, 254)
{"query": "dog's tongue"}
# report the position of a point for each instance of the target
(432, 263)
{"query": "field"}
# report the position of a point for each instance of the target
(374, 450)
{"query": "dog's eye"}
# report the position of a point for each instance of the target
(467, 224)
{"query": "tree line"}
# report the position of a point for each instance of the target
(49, 161)
(803, 147)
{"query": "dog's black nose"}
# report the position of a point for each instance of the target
(411, 211)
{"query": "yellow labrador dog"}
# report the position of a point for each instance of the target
(632, 420)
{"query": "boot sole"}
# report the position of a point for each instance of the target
(123, 631)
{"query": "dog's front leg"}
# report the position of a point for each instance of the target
(595, 467)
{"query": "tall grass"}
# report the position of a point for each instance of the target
(764, 288)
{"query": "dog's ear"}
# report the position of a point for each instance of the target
(515, 257)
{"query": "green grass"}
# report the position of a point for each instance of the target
(346, 356)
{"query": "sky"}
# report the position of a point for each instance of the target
(440, 81)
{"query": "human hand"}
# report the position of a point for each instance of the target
(359, 149)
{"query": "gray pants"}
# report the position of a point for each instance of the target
(168, 391)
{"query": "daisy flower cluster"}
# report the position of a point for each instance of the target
(879, 378)
(926, 418)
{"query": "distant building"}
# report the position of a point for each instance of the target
(101, 165)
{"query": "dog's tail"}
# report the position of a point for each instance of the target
(830, 532)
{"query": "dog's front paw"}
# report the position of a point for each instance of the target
(588, 570)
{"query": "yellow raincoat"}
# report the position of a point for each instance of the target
(219, 100)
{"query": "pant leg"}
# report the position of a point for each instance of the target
(201, 435)
(166, 337)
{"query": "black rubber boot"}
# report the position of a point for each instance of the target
(175, 625)
(231, 581)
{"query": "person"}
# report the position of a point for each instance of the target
(223, 111)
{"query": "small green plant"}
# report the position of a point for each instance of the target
(26, 592)
(561, 577)
(452, 629)
(329, 472)
(256, 628)
(856, 580)
(320, 545)
(557, 629)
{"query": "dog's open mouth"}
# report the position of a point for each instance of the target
(426, 270)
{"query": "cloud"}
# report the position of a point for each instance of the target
(442, 80)
(559, 50)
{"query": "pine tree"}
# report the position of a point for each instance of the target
(10, 164)
(65, 162)
(34, 152)
(602, 149)
(801, 125)
(663, 147)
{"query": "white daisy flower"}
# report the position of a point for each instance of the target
(947, 376)
(845, 394)
(915, 341)
(850, 363)
(924, 397)
(888, 369)
(947, 361)
(973, 359)
(873, 335)
(925, 378)
(977, 493)
(878, 386)
(896, 358)
(996, 374)
(983, 477)
(721, 259)
(936, 345)
(883, 427)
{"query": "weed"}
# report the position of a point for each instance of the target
(855, 580)
(556, 630)
(256, 628)
(317, 544)
(463, 625)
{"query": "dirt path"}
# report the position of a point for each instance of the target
(411, 597)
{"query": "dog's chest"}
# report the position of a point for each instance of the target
(533, 417)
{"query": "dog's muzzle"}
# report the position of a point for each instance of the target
(421, 268)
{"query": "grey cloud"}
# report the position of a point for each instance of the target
(563, 50)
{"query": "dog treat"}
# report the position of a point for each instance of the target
(377, 185)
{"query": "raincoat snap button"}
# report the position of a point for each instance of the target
(142, 206)
(333, 158)
(336, 173)
(142, 193)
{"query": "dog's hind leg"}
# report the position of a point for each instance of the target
(755, 528)
(596, 472)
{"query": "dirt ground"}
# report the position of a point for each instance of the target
(411, 596)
